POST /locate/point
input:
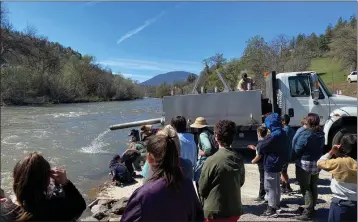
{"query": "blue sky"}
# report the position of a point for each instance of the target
(143, 39)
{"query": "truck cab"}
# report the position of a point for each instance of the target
(300, 93)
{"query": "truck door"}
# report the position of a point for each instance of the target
(298, 97)
(302, 102)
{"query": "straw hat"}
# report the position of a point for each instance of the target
(144, 128)
(199, 123)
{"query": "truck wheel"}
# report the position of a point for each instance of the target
(349, 80)
(344, 131)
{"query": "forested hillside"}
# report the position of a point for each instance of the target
(333, 54)
(36, 71)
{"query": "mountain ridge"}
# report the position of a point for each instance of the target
(169, 78)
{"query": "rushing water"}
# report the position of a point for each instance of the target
(75, 136)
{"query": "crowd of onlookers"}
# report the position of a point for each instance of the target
(199, 178)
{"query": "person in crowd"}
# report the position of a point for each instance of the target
(286, 187)
(206, 144)
(344, 179)
(222, 177)
(185, 164)
(275, 153)
(299, 130)
(136, 144)
(262, 133)
(35, 201)
(187, 142)
(307, 150)
(246, 83)
(168, 195)
(147, 131)
(129, 157)
(120, 173)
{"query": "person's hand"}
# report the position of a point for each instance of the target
(201, 153)
(59, 175)
(334, 149)
(251, 147)
(252, 161)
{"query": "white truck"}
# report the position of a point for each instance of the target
(293, 93)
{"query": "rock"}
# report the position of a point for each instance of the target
(105, 219)
(115, 218)
(100, 215)
(89, 219)
(119, 206)
(98, 208)
(105, 202)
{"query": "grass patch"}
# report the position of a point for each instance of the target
(332, 70)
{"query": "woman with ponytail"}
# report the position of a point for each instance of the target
(36, 199)
(168, 195)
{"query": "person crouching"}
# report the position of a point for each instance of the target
(120, 173)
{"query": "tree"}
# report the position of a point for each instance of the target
(191, 78)
(344, 46)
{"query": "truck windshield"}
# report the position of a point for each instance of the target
(325, 88)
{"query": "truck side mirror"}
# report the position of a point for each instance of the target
(315, 95)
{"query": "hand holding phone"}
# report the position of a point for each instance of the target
(59, 176)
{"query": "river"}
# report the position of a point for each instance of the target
(75, 136)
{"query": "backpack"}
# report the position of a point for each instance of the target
(213, 143)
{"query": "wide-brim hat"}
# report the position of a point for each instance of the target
(144, 128)
(199, 123)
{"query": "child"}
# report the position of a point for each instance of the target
(119, 172)
(344, 179)
(285, 119)
(262, 133)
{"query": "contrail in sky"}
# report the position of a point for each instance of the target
(140, 28)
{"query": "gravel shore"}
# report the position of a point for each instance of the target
(249, 192)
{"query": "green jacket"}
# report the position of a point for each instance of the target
(220, 183)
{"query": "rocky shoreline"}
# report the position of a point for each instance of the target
(111, 201)
(107, 210)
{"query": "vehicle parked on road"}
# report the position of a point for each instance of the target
(352, 77)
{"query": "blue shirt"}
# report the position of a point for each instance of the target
(296, 135)
(188, 147)
(290, 133)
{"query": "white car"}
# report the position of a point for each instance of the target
(352, 77)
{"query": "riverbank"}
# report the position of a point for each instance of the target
(43, 101)
(113, 199)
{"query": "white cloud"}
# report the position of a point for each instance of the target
(158, 66)
(140, 28)
(135, 76)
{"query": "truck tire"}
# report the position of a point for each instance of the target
(341, 132)
(349, 81)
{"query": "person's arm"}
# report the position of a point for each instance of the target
(68, 207)
(205, 144)
(240, 85)
(256, 159)
(326, 163)
(204, 181)
(133, 210)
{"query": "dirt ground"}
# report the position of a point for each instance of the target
(249, 192)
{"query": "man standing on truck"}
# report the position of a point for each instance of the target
(246, 83)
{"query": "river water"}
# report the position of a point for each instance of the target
(75, 136)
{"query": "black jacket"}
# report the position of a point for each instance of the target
(68, 206)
